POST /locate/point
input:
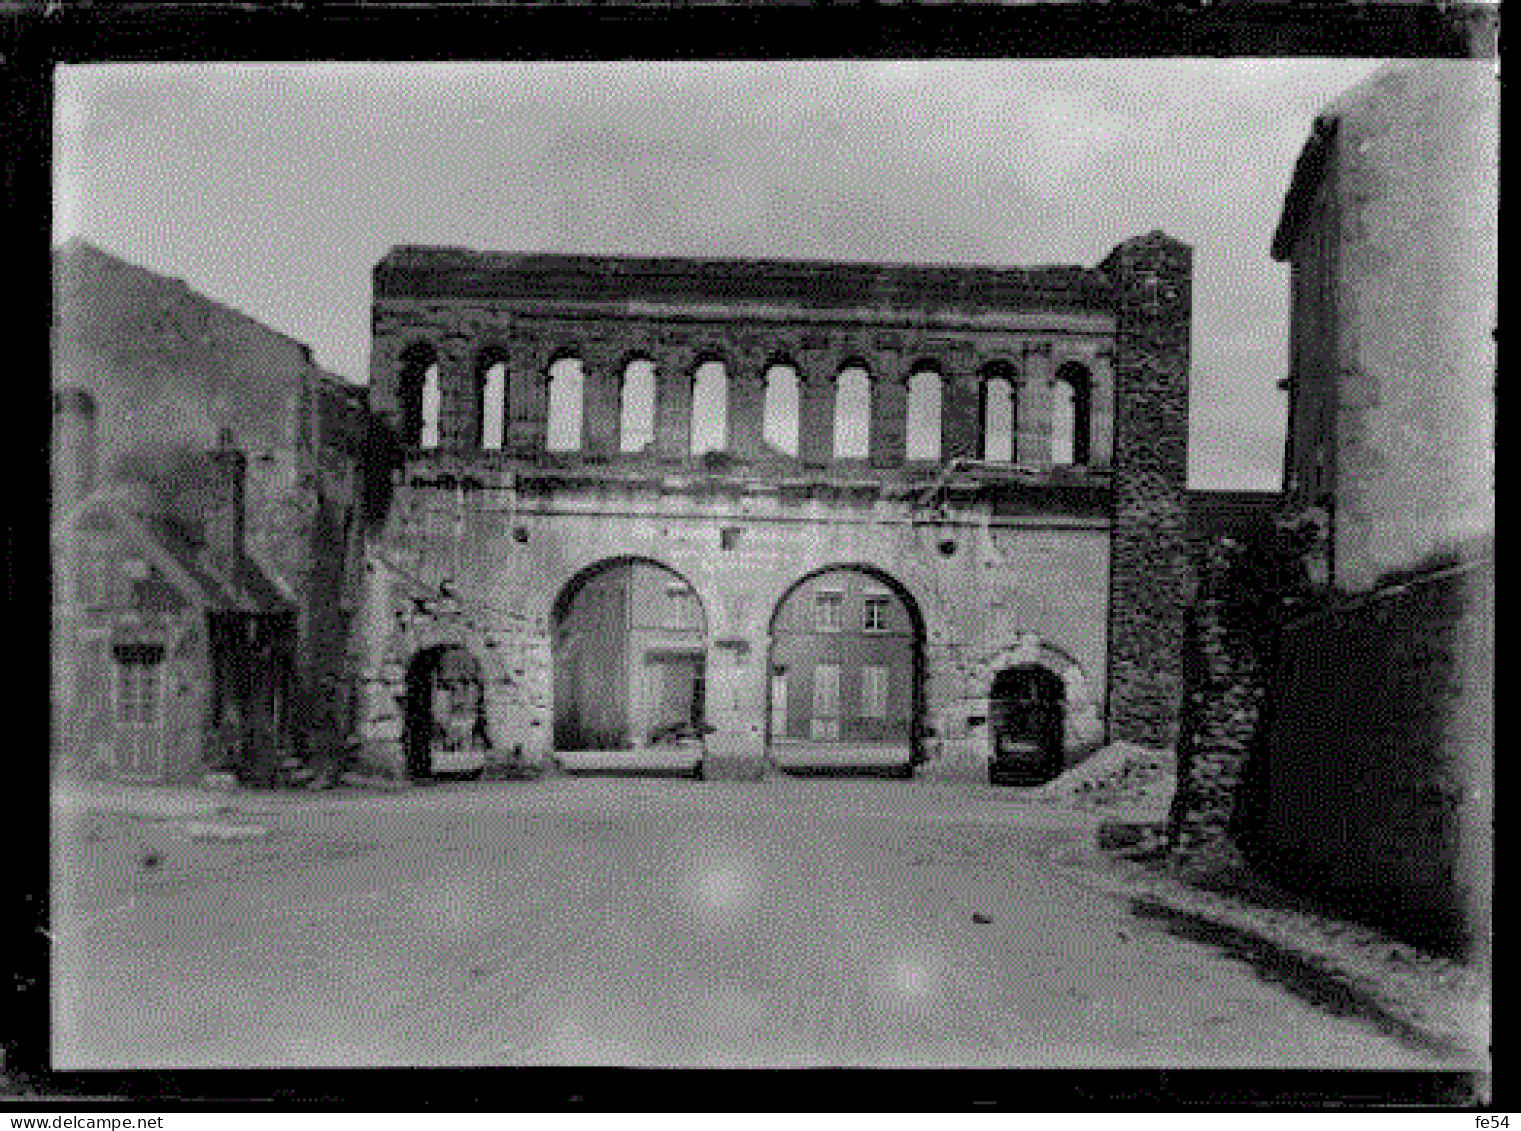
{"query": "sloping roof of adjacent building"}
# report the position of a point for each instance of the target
(180, 557)
(1315, 158)
(76, 259)
(1309, 171)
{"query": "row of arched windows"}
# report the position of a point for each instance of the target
(997, 411)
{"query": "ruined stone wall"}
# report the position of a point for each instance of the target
(168, 369)
(1009, 560)
(466, 318)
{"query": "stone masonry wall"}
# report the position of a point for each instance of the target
(1153, 276)
(168, 370)
(483, 571)
(1377, 776)
(1008, 559)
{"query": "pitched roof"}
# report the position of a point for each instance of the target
(182, 559)
(76, 259)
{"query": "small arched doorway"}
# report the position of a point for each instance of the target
(846, 674)
(630, 664)
(444, 728)
(1025, 705)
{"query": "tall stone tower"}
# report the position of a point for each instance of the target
(1153, 280)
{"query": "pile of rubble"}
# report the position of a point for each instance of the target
(1121, 776)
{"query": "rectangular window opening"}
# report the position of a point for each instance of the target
(829, 607)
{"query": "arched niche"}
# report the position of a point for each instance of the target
(710, 406)
(636, 430)
(782, 406)
(1072, 415)
(999, 414)
(566, 379)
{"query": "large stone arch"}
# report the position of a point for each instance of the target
(552, 598)
(933, 626)
(629, 656)
(912, 605)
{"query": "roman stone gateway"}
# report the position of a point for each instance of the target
(781, 513)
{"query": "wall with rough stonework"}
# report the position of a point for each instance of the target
(169, 370)
(1009, 558)
(1378, 772)
(1153, 276)
(467, 311)
(90, 609)
(1007, 594)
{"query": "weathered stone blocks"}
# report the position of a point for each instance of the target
(1148, 572)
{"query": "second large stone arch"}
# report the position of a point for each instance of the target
(630, 646)
(846, 673)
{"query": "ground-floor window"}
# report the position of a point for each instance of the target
(138, 710)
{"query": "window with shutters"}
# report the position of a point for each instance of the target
(826, 701)
(874, 691)
(829, 608)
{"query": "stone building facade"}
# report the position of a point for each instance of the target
(918, 478)
(1391, 233)
(173, 652)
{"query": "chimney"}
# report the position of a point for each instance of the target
(224, 516)
(73, 447)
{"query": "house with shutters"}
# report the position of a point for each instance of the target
(173, 652)
(148, 377)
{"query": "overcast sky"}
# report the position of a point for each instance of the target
(276, 189)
